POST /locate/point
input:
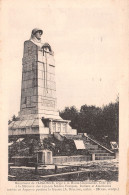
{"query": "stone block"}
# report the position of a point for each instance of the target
(29, 67)
(28, 83)
(40, 66)
(29, 122)
(21, 112)
(51, 85)
(35, 130)
(23, 76)
(29, 92)
(40, 74)
(28, 111)
(23, 100)
(50, 60)
(34, 65)
(23, 62)
(28, 130)
(35, 91)
(44, 75)
(24, 68)
(44, 130)
(44, 92)
(40, 56)
(32, 116)
(41, 83)
(47, 92)
(23, 85)
(40, 91)
(34, 99)
(28, 45)
(11, 124)
(33, 111)
(51, 69)
(25, 54)
(16, 124)
(28, 100)
(52, 77)
(35, 123)
(23, 93)
(44, 59)
(53, 93)
(48, 103)
(34, 105)
(40, 98)
(34, 83)
(29, 75)
(23, 106)
(23, 124)
(49, 76)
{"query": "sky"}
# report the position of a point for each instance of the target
(87, 40)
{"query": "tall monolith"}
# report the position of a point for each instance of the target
(38, 114)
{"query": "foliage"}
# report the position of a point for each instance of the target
(102, 123)
(70, 114)
(14, 118)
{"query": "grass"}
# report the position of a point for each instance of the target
(99, 170)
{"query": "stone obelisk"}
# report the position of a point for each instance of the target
(38, 109)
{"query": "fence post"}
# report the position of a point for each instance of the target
(93, 156)
(89, 175)
(55, 168)
(36, 168)
(8, 168)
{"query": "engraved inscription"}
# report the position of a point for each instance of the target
(48, 103)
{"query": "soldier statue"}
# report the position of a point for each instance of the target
(36, 39)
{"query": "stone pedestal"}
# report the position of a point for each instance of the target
(44, 157)
(38, 109)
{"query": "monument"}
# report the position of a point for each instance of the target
(38, 114)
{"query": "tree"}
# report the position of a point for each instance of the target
(101, 123)
(9, 121)
(70, 113)
(111, 121)
(14, 118)
(87, 118)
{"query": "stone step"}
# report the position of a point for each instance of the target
(73, 136)
(97, 151)
(104, 157)
(91, 146)
(103, 154)
(66, 159)
(87, 142)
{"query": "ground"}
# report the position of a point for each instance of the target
(93, 170)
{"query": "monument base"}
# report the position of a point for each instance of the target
(37, 124)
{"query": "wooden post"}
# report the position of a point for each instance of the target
(77, 168)
(55, 168)
(50, 127)
(36, 168)
(9, 164)
(93, 156)
(89, 175)
(8, 169)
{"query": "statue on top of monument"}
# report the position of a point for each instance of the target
(36, 39)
